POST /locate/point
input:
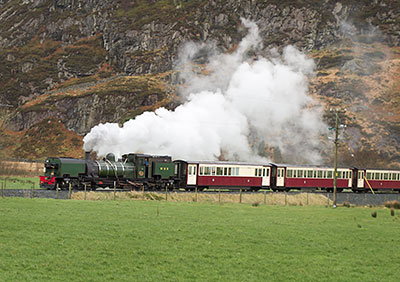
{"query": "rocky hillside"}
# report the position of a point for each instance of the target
(68, 65)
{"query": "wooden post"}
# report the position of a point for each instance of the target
(219, 195)
(57, 187)
(69, 190)
(285, 198)
(240, 199)
(166, 193)
(115, 188)
(265, 197)
(307, 198)
(33, 187)
(2, 189)
(196, 194)
(85, 191)
(327, 195)
(143, 192)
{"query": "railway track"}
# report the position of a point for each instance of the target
(353, 198)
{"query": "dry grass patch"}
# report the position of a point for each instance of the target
(254, 199)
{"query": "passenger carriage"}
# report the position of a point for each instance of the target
(377, 179)
(303, 177)
(231, 175)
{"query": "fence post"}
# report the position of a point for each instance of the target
(166, 193)
(240, 199)
(265, 197)
(2, 189)
(196, 194)
(285, 198)
(219, 195)
(69, 191)
(327, 196)
(57, 187)
(142, 192)
(33, 187)
(115, 188)
(85, 191)
(307, 198)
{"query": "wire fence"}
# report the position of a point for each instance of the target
(241, 197)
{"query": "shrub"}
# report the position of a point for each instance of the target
(347, 204)
(393, 204)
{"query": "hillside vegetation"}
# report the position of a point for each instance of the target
(68, 65)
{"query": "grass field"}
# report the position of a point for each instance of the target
(19, 182)
(59, 240)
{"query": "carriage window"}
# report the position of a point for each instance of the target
(324, 175)
(237, 171)
(219, 170)
(346, 175)
(259, 172)
(315, 174)
(330, 174)
(201, 170)
(213, 170)
(368, 175)
(194, 170)
(264, 172)
(289, 173)
(386, 176)
(279, 173)
(309, 173)
(255, 172)
(190, 170)
(294, 173)
(267, 172)
(230, 171)
(225, 171)
(319, 173)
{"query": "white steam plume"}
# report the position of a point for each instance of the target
(241, 101)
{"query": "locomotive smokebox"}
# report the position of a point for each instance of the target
(87, 155)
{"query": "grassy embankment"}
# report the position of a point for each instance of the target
(19, 182)
(53, 240)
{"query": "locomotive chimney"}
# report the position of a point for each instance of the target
(87, 155)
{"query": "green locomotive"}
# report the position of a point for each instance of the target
(132, 171)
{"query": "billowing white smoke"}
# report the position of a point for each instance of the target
(239, 103)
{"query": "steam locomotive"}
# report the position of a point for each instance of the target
(152, 172)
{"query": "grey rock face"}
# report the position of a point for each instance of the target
(136, 45)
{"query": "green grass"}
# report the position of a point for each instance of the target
(59, 240)
(19, 182)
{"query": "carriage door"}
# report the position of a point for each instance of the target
(265, 176)
(280, 178)
(191, 178)
(360, 179)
